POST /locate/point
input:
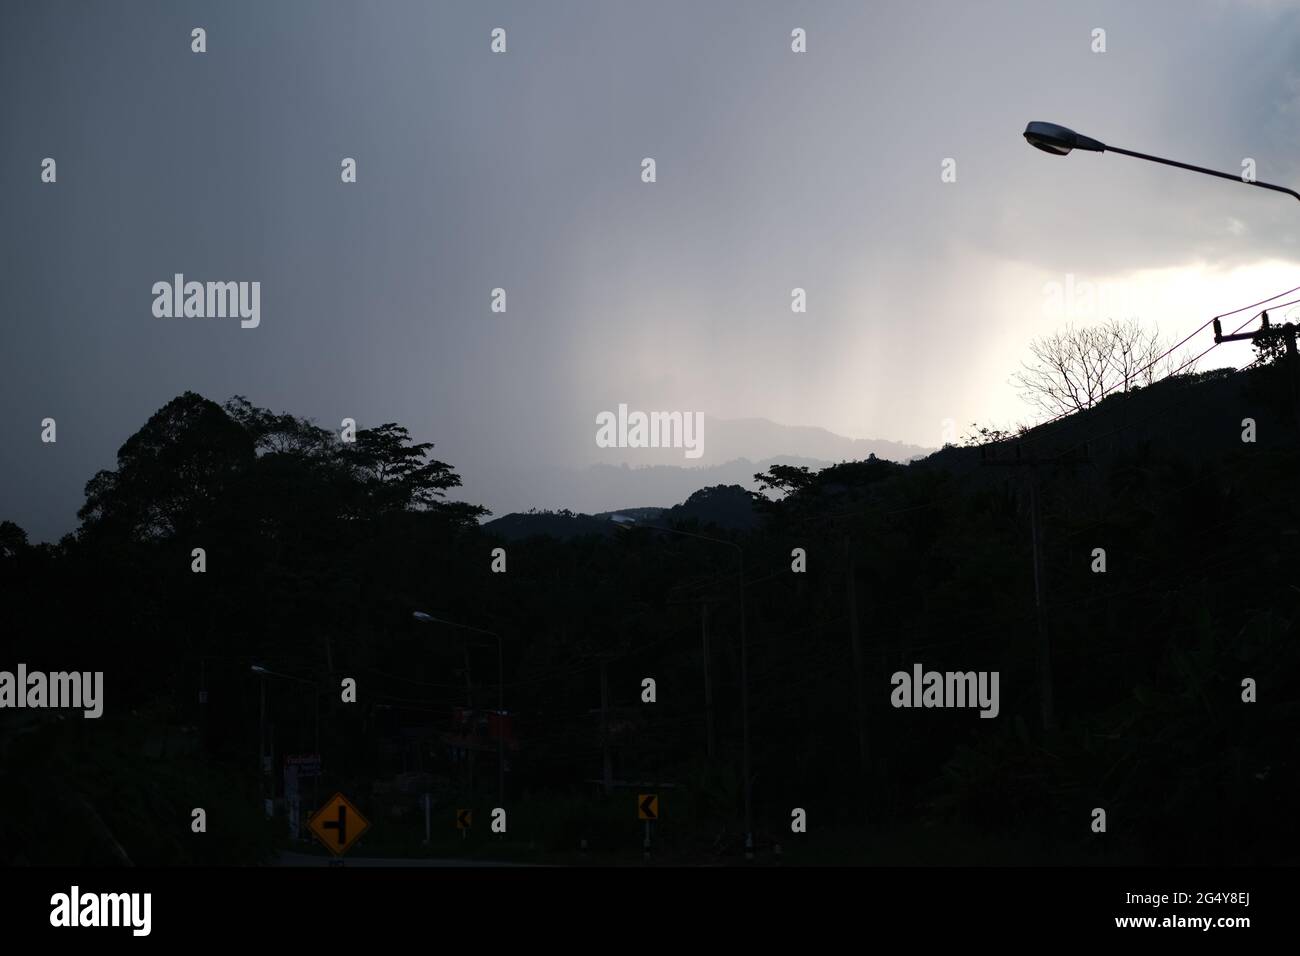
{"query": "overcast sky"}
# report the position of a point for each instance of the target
(522, 170)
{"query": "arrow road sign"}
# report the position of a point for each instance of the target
(338, 824)
(647, 807)
(464, 819)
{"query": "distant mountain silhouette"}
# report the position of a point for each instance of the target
(614, 478)
(1121, 425)
(600, 491)
(722, 506)
(757, 439)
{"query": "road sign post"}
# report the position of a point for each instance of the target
(338, 824)
(291, 800)
(647, 806)
(647, 809)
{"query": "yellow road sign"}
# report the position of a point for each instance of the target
(647, 806)
(338, 824)
(464, 819)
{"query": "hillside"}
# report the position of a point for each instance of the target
(1132, 589)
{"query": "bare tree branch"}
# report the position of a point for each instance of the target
(1076, 367)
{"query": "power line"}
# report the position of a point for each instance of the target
(1170, 350)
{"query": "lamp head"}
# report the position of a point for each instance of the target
(1059, 140)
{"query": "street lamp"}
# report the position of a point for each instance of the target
(424, 618)
(1060, 141)
(264, 673)
(263, 772)
(744, 669)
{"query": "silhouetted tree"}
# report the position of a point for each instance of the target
(13, 539)
(169, 472)
(1076, 367)
(394, 473)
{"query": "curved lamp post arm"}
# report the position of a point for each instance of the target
(1061, 141)
(1202, 169)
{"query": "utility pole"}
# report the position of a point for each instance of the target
(203, 705)
(473, 722)
(746, 761)
(501, 721)
(710, 735)
(708, 683)
(315, 780)
(261, 738)
(855, 638)
(608, 775)
(744, 714)
(1045, 683)
(266, 732)
(424, 618)
(1271, 333)
(1044, 645)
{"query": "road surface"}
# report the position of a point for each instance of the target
(288, 858)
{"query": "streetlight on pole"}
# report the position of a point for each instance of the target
(744, 673)
(263, 772)
(424, 618)
(265, 673)
(1060, 141)
(264, 767)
